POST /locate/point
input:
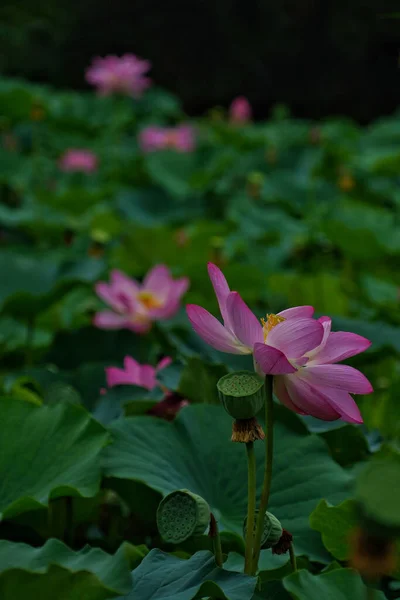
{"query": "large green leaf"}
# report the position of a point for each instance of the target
(56, 571)
(362, 232)
(322, 290)
(339, 584)
(335, 523)
(347, 444)
(172, 170)
(195, 452)
(33, 283)
(152, 206)
(167, 577)
(46, 452)
(198, 382)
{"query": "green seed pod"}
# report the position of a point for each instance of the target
(182, 514)
(378, 496)
(272, 532)
(241, 394)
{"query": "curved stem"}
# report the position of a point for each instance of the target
(292, 558)
(214, 534)
(269, 403)
(251, 506)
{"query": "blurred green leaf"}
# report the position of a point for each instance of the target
(340, 584)
(335, 523)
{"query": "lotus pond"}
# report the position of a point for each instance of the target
(148, 448)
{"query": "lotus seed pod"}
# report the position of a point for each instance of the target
(272, 531)
(182, 514)
(241, 394)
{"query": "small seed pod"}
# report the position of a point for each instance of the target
(272, 530)
(241, 394)
(182, 514)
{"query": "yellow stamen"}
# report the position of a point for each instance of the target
(269, 323)
(149, 300)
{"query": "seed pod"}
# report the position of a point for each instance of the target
(272, 531)
(241, 394)
(182, 514)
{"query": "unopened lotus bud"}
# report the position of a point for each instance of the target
(242, 394)
(181, 515)
(272, 531)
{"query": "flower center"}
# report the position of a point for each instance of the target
(149, 300)
(269, 323)
(171, 139)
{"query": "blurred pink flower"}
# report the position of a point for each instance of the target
(76, 159)
(294, 347)
(134, 305)
(180, 138)
(119, 75)
(240, 110)
(134, 373)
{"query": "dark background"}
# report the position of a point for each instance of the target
(320, 57)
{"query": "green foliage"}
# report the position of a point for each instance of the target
(339, 584)
(46, 452)
(195, 453)
(336, 524)
(56, 571)
(294, 213)
(170, 577)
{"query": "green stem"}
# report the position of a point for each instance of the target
(292, 558)
(60, 519)
(251, 506)
(269, 403)
(214, 534)
(69, 521)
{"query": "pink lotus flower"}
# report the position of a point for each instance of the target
(76, 159)
(240, 111)
(180, 138)
(145, 376)
(322, 388)
(134, 373)
(119, 74)
(297, 349)
(135, 306)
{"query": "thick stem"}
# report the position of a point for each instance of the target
(69, 521)
(292, 558)
(269, 403)
(251, 506)
(60, 519)
(214, 534)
